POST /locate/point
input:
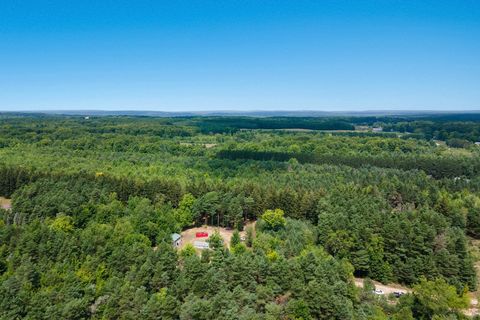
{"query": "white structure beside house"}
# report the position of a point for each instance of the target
(201, 245)
(176, 240)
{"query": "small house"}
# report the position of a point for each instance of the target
(176, 240)
(377, 129)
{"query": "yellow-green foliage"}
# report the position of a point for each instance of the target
(62, 223)
(439, 297)
(274, 219)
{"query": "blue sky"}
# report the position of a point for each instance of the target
(240, 55)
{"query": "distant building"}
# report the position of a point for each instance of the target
(377, 129)
(176, 240)
(361, 128)
(477, 143)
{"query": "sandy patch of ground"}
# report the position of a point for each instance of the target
(387, 289)
(5, 203)
(474, 248)
(473, 310)
(189, 235)
(206, 145)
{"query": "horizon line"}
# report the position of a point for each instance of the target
(180, 110)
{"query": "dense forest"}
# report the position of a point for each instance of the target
(95, 200)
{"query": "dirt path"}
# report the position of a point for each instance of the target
(474, 248)
(473, 310)
(387, 289)
(391, 288)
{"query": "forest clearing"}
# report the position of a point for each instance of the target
(189, 236)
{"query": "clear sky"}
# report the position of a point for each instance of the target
(240, 55)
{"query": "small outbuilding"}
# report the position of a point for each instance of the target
(201, 244)
(176, 240)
